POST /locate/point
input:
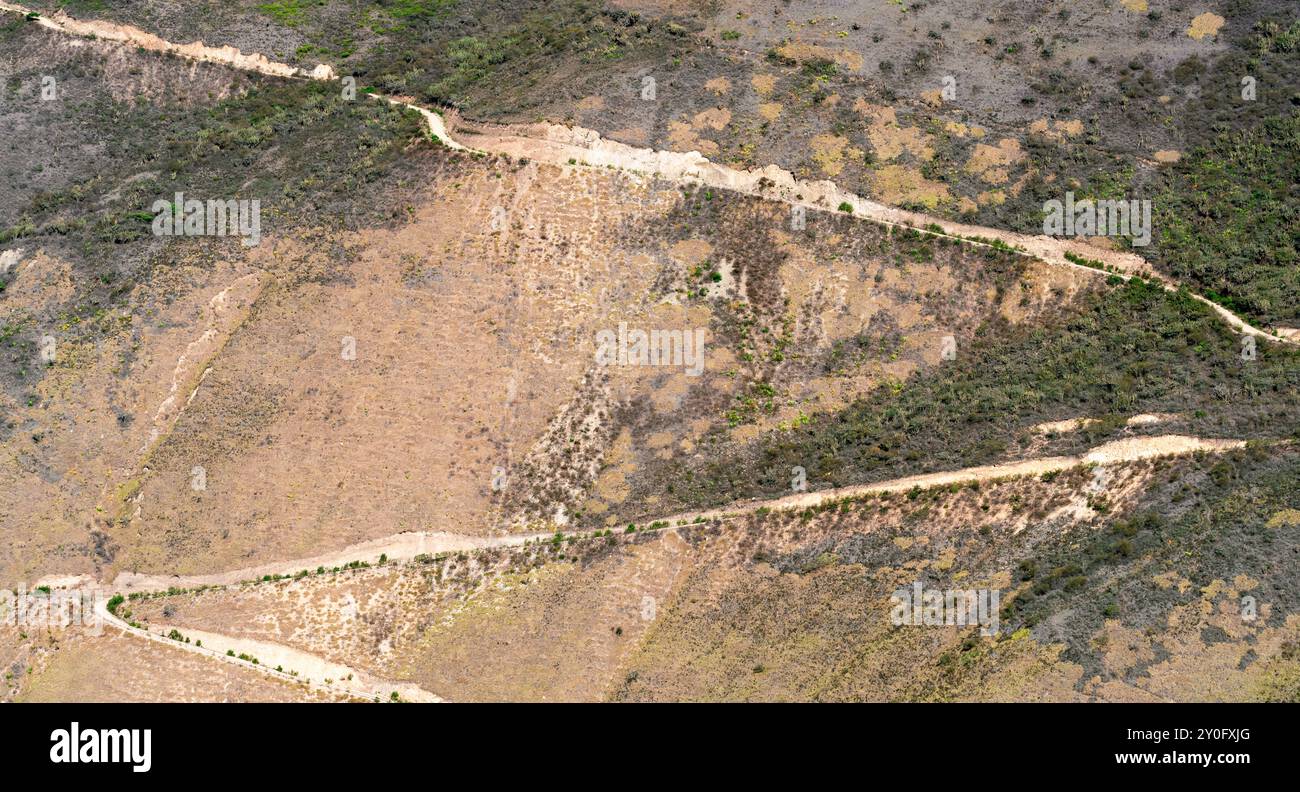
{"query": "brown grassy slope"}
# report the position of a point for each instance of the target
(475, 342)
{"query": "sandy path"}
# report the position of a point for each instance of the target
(1115, 452)
(312, 671)
(135, 37)
(560, 145)
(400, 546)
(405, 546)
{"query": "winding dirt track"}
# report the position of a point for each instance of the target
(313, 670)
(559, 145)
(566, 146)
(405, 546)
(302, 668)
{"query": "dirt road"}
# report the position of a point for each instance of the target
(336, 679)
(405, 546)
(571, 146)
(280, 662)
